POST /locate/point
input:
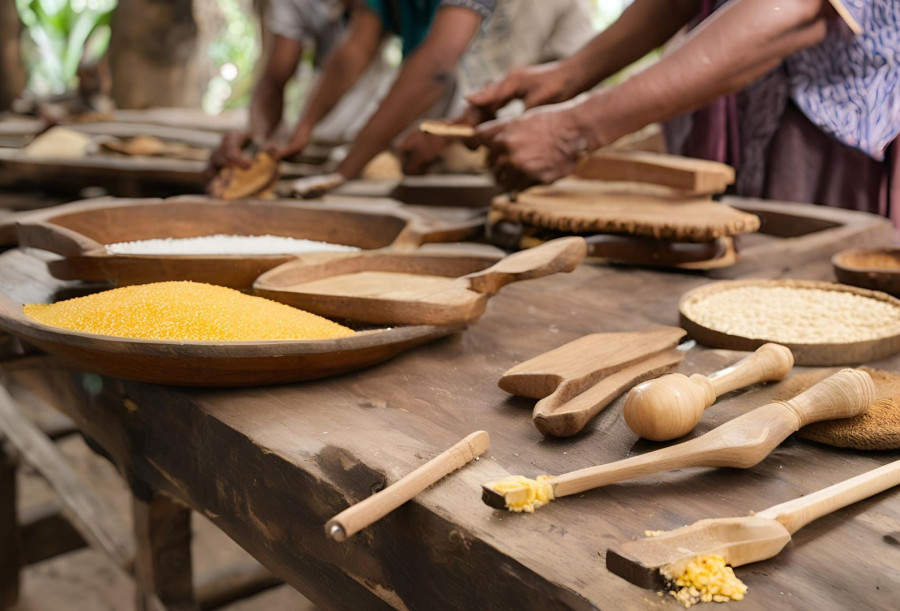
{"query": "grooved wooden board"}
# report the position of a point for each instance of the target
(588, 206)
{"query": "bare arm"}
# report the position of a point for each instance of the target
(267, 103)
(642, 27)
(738, 44)
(341, 71)
(423, 79)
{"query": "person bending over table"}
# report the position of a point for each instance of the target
(816, 112)
(434, 33)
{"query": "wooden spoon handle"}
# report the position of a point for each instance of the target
(372, 509)
(797, 513)
(769, 362)
(847, 393)
(560, 255)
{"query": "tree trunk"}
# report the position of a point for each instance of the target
(12, 71)
(153, 54)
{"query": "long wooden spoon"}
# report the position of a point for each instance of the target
(742, 442)
(671, 406)
(740, 540)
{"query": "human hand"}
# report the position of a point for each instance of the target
(282, 150)
(229, 153)
(315, 186)
(417, 150)
(534, 85)
(540, 146)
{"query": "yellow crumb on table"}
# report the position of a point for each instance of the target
(705, 579)
(526, 494)
(184, 311)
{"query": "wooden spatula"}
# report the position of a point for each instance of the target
(385, 290)
(742, 442)
(579, 379)
(740, 540)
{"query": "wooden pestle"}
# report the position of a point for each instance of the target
(671, 406)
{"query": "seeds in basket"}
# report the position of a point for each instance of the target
(184, 311)
(795, 315)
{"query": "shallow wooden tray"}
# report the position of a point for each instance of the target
(409, 289)
(80, 231)
(215, 363)
(820, 355)
(870, 268)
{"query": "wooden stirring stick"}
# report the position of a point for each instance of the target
(447, 130)
(671, 406)
(741, 442)
(741, 540)
(358, 516)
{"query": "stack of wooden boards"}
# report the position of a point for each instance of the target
(634, 207)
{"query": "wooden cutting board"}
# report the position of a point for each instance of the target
(408, 289)
(575, 205)
(577, 380)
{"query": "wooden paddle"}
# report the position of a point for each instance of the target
(579, 379)
(740, 540)
(447, 130)
(401, 290)
(742, 442)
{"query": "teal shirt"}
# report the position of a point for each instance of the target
(411, 19)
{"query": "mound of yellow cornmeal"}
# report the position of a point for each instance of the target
(526, 494)
(186, 311)
(706, 579)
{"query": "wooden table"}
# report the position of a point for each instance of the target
(271, 465)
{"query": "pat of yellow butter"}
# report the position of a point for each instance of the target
(525, 494)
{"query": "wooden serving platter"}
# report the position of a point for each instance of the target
(79, 232)
(805, 353)
(583, 206)
(409, 289)
(226, 364)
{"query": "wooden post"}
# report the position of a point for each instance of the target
(162, 565)
(10, 551)
(12, 70)
(153, 54)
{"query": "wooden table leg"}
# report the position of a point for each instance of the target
(10, 552)
(162, 566)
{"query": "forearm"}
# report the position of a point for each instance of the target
(266, 109)
(341, 71)
(740, 43)
(422, 82)
(642, 27)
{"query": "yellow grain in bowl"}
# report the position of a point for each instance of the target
(184, 311)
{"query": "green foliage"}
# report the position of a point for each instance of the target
(234, 52)
(60, 34)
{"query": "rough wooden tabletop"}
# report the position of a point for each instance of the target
(271, 465)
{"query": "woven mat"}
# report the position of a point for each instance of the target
(584, 206)
(877, 429)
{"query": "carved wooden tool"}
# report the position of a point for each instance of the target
(741, 442)
(447, 130)
(355, 518)
(671, 406)
(577, 380)
(388, 288)
(740, 540)
(695, 176)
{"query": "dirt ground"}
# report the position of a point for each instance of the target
(86, 580)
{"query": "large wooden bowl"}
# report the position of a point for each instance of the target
(870, 268)
(809, 354)
(79, 232)
(215, 363)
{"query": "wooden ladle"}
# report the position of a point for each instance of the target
(740, 540)
(671, 406)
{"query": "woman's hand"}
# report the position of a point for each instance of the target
(540, 146)
(534, 85)
(228, 154)
(418, 150)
